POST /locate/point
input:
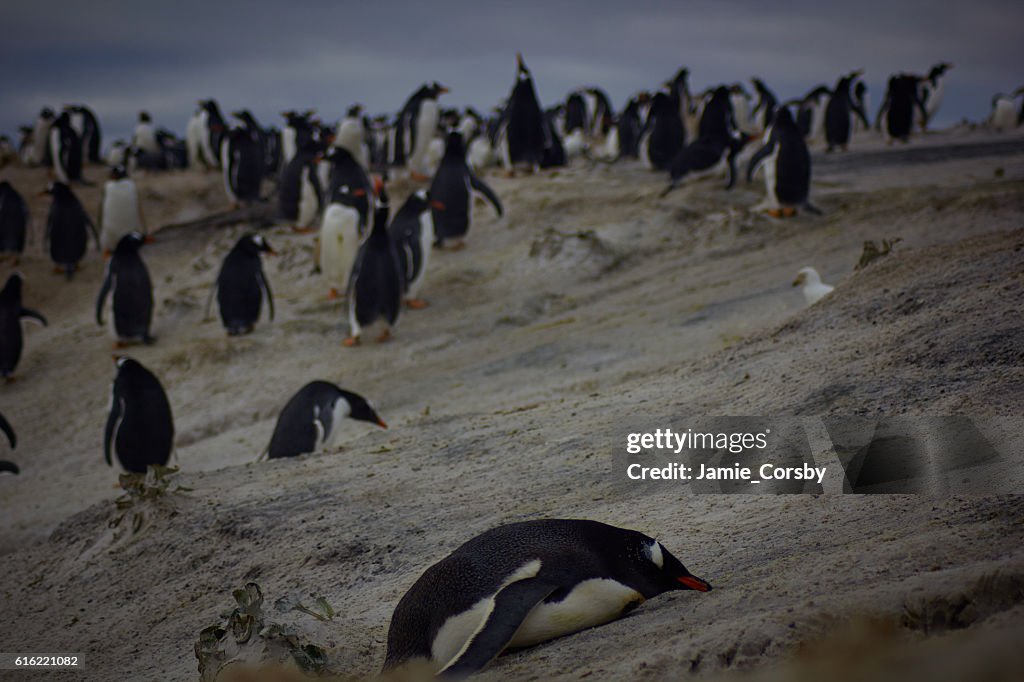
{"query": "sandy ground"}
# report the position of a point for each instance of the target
(591, 306)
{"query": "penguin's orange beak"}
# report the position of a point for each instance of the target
(115, 358)
(148, 239)
(694, 583)
(437, 205)
(378, 185)
(359, 192)
(381, 424)
(443, 90)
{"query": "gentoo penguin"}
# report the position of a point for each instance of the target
(860, 100)
(375, 286)
(214, 129)
(764, 111)
(144, 137)
(814, 289)
(1007, 114)
(523, 141)
(412, 231)
(242, 163)
(140, 428)
(133, 292)
(241, 284)
(839, 113)
(5, 466)
(380, 132)
(340, 238)
(706, 156)
(309, 418)
(352, 134)
(688, 110)
(120, 209)
(298, 132)
(740, 100)
(810, 117)
(525, 583)
(574, 114)
(664, 134)
(299, 193)
(600, 114)
(11, 314)
(453, 187)
(933, 87)
(346, 171)
(26, 145)
(630, 125)
(14, 221)
(67, 229)
(787, 167)
(88, 128)
(41, 138)
(902, 99)
(65, 149)
(417, 123)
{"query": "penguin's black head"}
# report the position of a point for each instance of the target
(421, 201)
(144, 117)
(653, 569)
(355, 111)
(455, 145)
(521, 69)
(58, 190)
(254, 245)
(12, 290)
(132, 242)
(783, 119)
(46, 113)
(361, 409)
(939, 69)
(436, 89)
(118, 172)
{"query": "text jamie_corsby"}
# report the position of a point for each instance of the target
(735, 443)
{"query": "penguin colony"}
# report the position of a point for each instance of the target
(518, 584)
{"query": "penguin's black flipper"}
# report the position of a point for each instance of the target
(758, 157)
(33, 314)
(511, 606)
(9, 467)
(6, 427)
(92, 228)
(482, 187)
(116, 412)
(104, 290)
(266, 287)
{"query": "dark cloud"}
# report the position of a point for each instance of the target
(124, 56)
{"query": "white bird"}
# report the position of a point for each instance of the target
(814, 288)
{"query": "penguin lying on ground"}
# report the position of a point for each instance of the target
(14, 221)
(340, 238)
(241, 284)
(814, 289)
(5, 466)
(453, 187)
(140, 428)
(412, 231)
(11, 314)
(787, 168)
(120, 209)
(375, 286)
(133, 292)
(526, 583)
(313, 415)
(67, 229)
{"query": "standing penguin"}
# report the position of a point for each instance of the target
(140, 428)
(214, 131)
(664, 134)
(241, 284)
(787, 167)
(453, 187)
(11, 314)
(932, 89)
(412, 230)
(242, 163)
(764, 111)
(65, 149)
(133, 292)
(313, 415)
(839, 113)
(523, 142)
(340, 238)
(417, 123)
(525, 583)
(299, 187)
(120, 209)
(144, 136)
(41, 138)
(375, 287)
(346, 171)
(810, 115)
(352, 135)
(630, 125)
(67, 229)
(88, 128)
(902, 100)
(14, 221)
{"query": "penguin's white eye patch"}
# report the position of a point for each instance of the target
(655, 555)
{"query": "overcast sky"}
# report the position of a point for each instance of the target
(120, 57)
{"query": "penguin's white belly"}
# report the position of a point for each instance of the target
(144, 138)
(40, 141)
(770, 172)
(1004, 115)
(610, 149)
(433, 156)
(58, 163)
(426, 244)
(480, 154)
(592, 602)
(120, 213)
(818, 121)
(350, 137)
(574, 143)
(339, 243)
(645, 151)
(307, 202)
(426, 127)
(288, 145)
(194, 140)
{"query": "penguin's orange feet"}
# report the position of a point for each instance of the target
(351, 342)
(788, 211)
(119, 345)
(457, 246)
(418, 177)
(106, 254)
(332, 294)
(58, 270)
(384, 336)
(417, 303)
(774, 212)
